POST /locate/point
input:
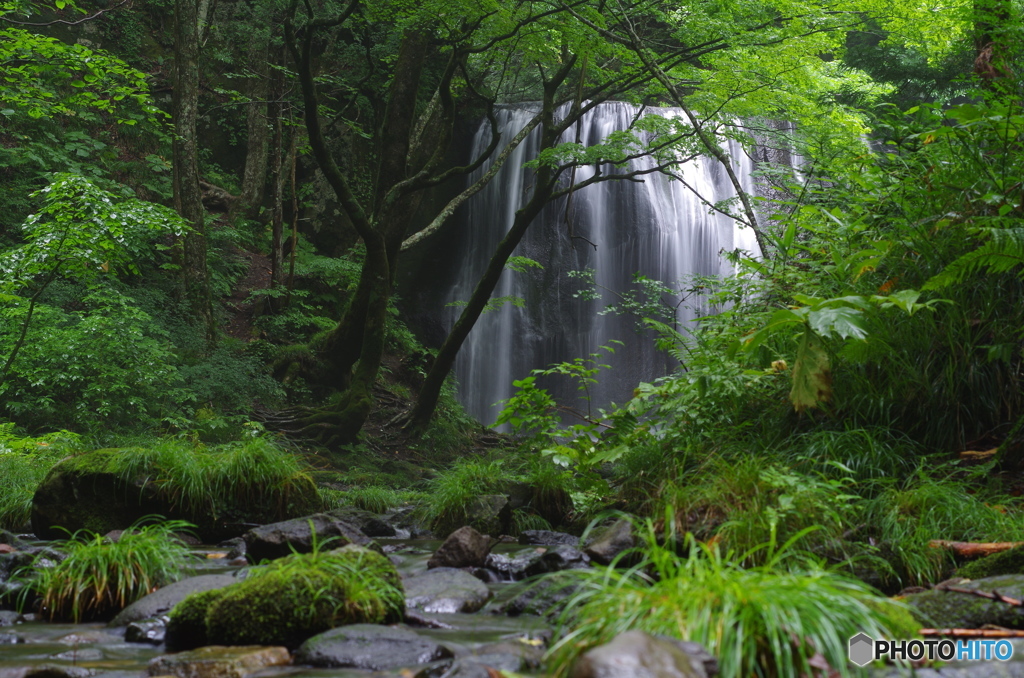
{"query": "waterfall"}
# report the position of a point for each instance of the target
(657, 228)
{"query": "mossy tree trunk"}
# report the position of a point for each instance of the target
(353, 350)
(189, 15)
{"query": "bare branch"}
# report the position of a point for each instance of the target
(66, 23)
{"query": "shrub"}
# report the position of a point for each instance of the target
(106, 363)
(100, 577)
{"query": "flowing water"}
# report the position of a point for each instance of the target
(657, 228)
(74, 650)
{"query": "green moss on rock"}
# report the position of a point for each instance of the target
(896, 617)
(1007, 562)
(219, 489)
(186, 625)
(301, 595)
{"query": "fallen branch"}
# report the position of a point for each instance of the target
(974, 633)
(994, 595)
(968, 549)
(978, 455)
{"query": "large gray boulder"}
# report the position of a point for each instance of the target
(536, 561)
(465, 547)
(636, 654)
(298, 535)
(488, 514)
(445, 590)
(162, 600)
(607, 543)
(219, 662)
(369, 646)
(547, 538)
(369, 523)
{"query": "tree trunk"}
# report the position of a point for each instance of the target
(254, 177)
(187, 194)
(991, 17)
(430, 391)
(353, 351)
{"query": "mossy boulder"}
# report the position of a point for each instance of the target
(291, 600)
(1007, 562)
(89, 492)
(940, 608)
(106, 490)
(186, 625)
(896, 617)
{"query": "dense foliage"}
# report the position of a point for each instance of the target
(822, 402)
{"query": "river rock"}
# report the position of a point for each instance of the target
(547, 538)
(487, 514)
(298, 535)
(87, 491)
(150, 631)
(162, 600)
(368, 523)
(948, 609)
(369, 646)
(408, 522)
(9, 618)
(636, 654)
(12, 540)
(11, 639)
(465, 547)
(445, 590)
(608, 542)
(219, 662)
(544, 597)
(485, 665)
(558, 558)
(511, 568)
(1006, 562)
(48, 671)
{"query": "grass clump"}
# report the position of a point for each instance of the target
(99, 577)
(373, 498)
(451, 492)
(24, 462)
(769, 620)
(747, 501)
(906, 518)
(292, 599)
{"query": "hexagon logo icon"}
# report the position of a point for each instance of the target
(862, 649)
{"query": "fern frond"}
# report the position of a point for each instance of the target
(1002, 252)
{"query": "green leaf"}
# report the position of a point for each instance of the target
(812, 376)
(845, 322)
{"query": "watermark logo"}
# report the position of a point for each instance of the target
(864, 649)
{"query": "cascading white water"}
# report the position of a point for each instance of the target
(657, 228)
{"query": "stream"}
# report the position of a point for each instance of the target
(29, 648)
